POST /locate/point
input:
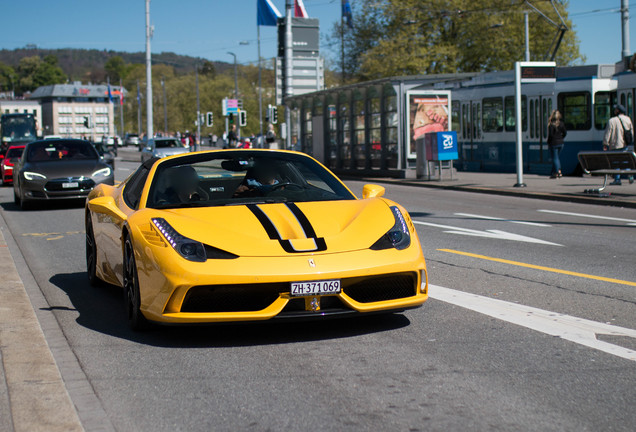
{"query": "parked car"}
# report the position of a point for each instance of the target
(131, 139)
(57, 170)
(10, 159)
(162, 147)
(105, 153)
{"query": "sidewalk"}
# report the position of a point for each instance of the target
(539, 187)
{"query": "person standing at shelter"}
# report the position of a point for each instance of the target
(556, 135)
(614, 138)
(232, 137)
(270, 137)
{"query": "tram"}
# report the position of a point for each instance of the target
(483, 114)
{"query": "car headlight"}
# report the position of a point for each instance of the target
(104, 172)
(33, 176)
(191, 250)
(397, 237)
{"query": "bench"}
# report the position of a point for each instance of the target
(607, 163)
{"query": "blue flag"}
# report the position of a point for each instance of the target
(346, 13)
(266, 13)
(110, 95)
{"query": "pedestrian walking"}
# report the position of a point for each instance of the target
(232, 137)
(270, 136)
(556, 135)
(619, 133)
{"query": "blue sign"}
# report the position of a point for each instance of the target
(441, 146)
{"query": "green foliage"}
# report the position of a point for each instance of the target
(115, 68)
(8, 77)
(33, 72)
(409, 37)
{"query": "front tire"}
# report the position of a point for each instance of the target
(91, 253)
(132, 296)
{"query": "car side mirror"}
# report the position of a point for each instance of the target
(106, 205)
(372, 191)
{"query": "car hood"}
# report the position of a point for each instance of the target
(65, 168)
(163, 152)
(280, 229)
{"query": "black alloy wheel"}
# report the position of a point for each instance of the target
(132, 296)
(91, 253)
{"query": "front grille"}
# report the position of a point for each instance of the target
(381, 288)
(232, 298)
(57, 185)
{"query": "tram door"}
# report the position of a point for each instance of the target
(470, 131)
(539, 109)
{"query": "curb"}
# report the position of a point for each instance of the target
(580, 199)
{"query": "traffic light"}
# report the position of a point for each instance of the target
(243, 118)
(87, 122)
(230, 118)
(210, 119)
(273, 118)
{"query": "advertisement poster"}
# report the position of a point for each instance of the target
(427, 111)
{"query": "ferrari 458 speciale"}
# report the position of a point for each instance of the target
(247, 235)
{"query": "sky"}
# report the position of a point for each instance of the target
(211, 28)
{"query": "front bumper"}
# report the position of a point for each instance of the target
(174, 290)
(52, 189)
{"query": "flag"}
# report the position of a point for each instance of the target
(266, 13)
(299, 9)
(346, 13)
(121, 95)
(138, 95)
(110, 94)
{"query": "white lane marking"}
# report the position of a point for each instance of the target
(573, 329)
(124, 169)
(493, 234)
(629, 221)
(501, 219)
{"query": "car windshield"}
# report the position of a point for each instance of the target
(171, 143)
(55, 150)
(14, 152)
(242, 177)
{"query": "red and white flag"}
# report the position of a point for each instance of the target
(299, 9)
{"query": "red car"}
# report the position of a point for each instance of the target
(13, 155)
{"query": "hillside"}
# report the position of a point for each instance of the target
(88, 65)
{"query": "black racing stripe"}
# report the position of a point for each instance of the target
(302, 219)
(264, 220)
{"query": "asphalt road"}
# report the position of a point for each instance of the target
(446, 366)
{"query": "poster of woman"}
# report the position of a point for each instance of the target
(428, 112)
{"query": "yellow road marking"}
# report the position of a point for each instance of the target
(537, 267)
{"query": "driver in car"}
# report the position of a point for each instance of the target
(258, 182)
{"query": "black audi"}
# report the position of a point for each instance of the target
(58, 169)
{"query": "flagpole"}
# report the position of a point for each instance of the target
(260, 86)
(342, 64)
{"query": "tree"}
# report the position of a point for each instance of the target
(115, 68)
(8, 77)
(33, 72)
(408, 37)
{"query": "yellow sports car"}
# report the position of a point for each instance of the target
(246, 235)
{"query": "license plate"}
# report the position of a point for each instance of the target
(70, 185)
(315, 287)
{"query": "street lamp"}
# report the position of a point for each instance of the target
(235, 75)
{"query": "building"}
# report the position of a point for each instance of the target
(78, 110)
(24, 107)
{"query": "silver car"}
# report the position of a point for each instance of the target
(162, 147)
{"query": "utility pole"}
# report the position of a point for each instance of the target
(525, 17)
(289, 53)
(196, 77)
(260, 87)
(138, 111)
(149, 31)
(121, 109)
(236, 93)
(625, 28)
(165, 106)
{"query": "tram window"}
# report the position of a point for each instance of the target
(511, 114)
(455, 116)
(465, 122)
(544, 118)
(532, 117)
(576, 110)
(492, 114)
(476, 121)
(603, 102)
(623, 99)
(630, 104)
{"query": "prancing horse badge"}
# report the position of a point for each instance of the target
(311, 262)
